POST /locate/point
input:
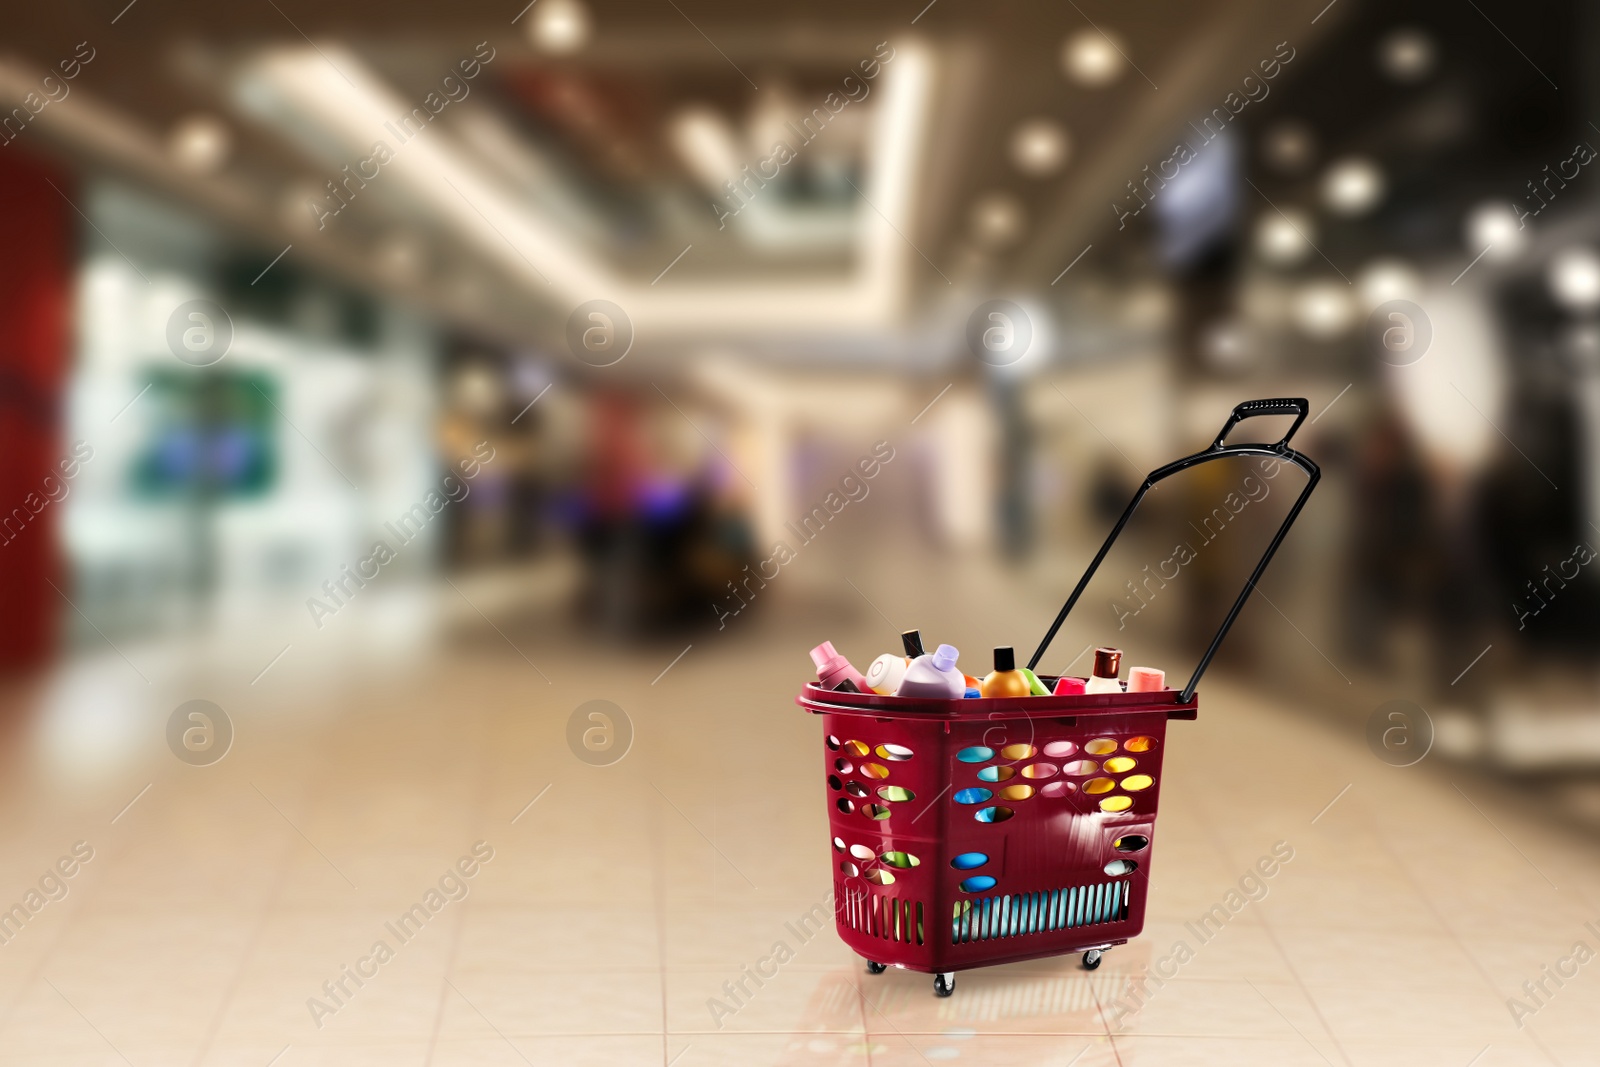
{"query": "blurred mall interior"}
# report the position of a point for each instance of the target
(399, 378)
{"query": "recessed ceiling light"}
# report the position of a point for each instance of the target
(559, 26)
(1494, 226)
(1352, 186)
(1407, 55)
(1039, 147)
(1387, 279)
(1323, 310)
(1575, 279)
(1092, 58)
(1289, 146)
(1284, 237)
(200, 143)
(997, 220)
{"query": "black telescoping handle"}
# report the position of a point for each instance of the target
(1219, 449)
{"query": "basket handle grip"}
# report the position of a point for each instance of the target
(1296, 406)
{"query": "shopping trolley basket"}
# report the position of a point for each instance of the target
(975, 832)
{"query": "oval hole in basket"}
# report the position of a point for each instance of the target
(855, 789)
(896, 793)
(856, 748)
(838, 843)
(1140, 744)
(901, 860)
(843, 766)
(874, 770)
(1116, 804)
(1100, 746)
(1131, 843)
(1057, 789)
(1060, 749)
(996, 773)
(1019, 752)
(861, 852)
(833, 743)
(1016, 792)
(848, 869)
(846, 805)
(968, 860)
(1039, 770)
(834, 783)
(1081, 767)
(972, 795)
(894, 752)
(1099, 785)
(1136, 782)
(1120, 764)
(975, 754)
(1121, 867)
(995, 814)
(879, 876)
(977, 884)
(875, 811)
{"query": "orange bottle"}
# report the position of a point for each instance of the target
(1005, 680)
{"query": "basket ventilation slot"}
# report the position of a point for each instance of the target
(987, 918)
(887, 917)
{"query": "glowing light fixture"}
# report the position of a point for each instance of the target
(1039, 147)
(1407, 55)
(1284, 237)
(1352, 186)
(1494, 225)
(1092, 59)
(1575, 279)
(200, 143)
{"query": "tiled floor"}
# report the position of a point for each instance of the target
(616, 906)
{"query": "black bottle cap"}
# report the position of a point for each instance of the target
(1005, 659)
(911, 641)
(846, 686)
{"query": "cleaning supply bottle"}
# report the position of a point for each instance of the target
(1107, 662)
(886, 672)
(934, 677)
(1069, 687)
(1035, 687)
(911, 641)
(1146, 680)
(1005, 680)
(832, 669)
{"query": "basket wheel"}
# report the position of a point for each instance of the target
(944, 984)
(1092, 958)
(874, 967)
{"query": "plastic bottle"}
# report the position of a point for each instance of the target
(1069, 687)
(934, 677)
(885, 673)
(1107, 662)
(1146, 680)
(1035, 687)
(832, 668)
(1005, 680)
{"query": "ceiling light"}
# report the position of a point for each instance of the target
(997, 220)
(1407, 55)
(1383, 280)
(559, 26)
(1289, 146)
(200, 143)
(1352, 186)
(1092, 59)
(1039, 147)
(1323, 310)
(1494, 229)
(1575, 279)
(1284, 237)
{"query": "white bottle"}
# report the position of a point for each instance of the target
(1107, 662)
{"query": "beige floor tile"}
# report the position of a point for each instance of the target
(792, 1001)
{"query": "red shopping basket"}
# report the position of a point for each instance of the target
(974, 832)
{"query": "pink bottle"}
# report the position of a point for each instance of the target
(1146, 680)
(833, 669)
(1069, 687)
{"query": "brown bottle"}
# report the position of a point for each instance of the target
(1107, 662)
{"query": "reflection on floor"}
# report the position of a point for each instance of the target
(411, 866)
